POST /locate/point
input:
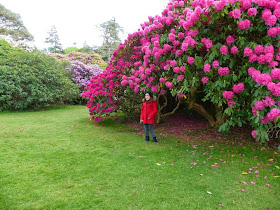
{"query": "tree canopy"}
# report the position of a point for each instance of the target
(11, 26)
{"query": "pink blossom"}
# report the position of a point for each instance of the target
(161, 80)
(252, 12)
(181, 3)
(176, 70)
(180, 95)
(230, 39)
(246, 4)
(268, 101)
(259, 49)
(275, 74)
(166, 47)
(181, 35)
(238, 88)
(260, 105)
(224, 50)
(179, 52)
(254, 133)
(169, 85)
(268, 185)
(253, 58)
(266, 14)
(236, 13)
(204, 80)
(273, 64)
(274, 31)
(171, 37)
(276, 12)
(269, 49)
(248, 51)
(173, 63)
(191, 60)
(263, 79)
(182, 69)
(207, 42)
(180, 77)
(228, 95)
(184, 46)
(243, 25)
(268, 57)
(245, 183)
(124, 82)
(223, 71)
(262, 59)
(271, 21)
(207, 68)
(273, 114)
(215, 63)
(234, 50)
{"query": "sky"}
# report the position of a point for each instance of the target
(76, 20)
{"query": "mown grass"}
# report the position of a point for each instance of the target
(59, 159)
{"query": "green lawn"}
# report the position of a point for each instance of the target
(58, 159)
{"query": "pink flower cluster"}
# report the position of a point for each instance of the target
(262, 55)
(223, 71)
(239, 88)
(204, 80)
(243, 25)
(224, 50)
(228, 95)
(207, 68)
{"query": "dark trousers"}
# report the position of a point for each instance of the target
(149, 128)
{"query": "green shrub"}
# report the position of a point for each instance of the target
(32, 80)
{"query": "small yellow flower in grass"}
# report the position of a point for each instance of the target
(271, 160)
(244, 173)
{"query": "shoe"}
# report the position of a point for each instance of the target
(147, 139)
(155, 139)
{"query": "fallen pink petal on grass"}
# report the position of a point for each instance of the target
(245, 183)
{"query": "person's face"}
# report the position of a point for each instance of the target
(147, 97)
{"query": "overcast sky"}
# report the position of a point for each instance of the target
(76, 20)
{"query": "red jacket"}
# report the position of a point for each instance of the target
(148, 112)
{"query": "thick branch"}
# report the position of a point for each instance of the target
(174, 110)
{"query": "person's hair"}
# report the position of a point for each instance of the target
(150, 93)
(154, 98)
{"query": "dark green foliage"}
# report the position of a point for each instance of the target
(32, 80)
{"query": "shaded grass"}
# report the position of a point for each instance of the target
(59, 159)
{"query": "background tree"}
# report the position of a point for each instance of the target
(12, 28)
(86, 48)
(110, 33)
(54, 41)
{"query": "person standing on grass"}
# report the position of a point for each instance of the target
(148, 114)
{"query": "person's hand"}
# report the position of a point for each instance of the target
(141, 121)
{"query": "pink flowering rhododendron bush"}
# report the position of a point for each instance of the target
(91, 58)
(227, 50)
